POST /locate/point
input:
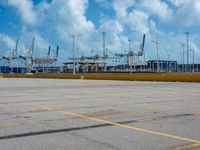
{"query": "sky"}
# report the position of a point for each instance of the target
(52, 22)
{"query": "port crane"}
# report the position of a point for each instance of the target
(131, 54)
(28, 57)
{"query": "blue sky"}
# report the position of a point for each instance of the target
(52, 21)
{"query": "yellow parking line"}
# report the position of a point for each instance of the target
(98, 115)
(189, 146)
(71, 118)
(110, 114)
(129, 127)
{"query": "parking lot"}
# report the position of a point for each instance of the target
(60, 114)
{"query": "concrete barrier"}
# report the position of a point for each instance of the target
(51, 76)
(133, 77)
(147, 77)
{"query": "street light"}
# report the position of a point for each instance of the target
(125, 61)
(192, 60)
(181, 61)
(168, 63)
(158, 67)
(104, 51)
(73, 38)
(183, 67)
(187, 38)
(130, 59)
(144, 61)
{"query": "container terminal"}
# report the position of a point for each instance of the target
(131, 61)
(48, 106)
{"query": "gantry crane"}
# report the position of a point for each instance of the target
(131, 54)
(28, 57)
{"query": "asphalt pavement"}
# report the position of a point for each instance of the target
(60, 114)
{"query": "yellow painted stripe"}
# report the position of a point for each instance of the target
(189, 146)
(129, 127)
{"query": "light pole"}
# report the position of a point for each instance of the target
(73, 42)
(181, 62)
(104, 50)
(192, 60)
(144, 62)
(77, 53)
(125, 61)
(183, 67)
(187, 38)
(168, 63)
(158, 67)
(129, 42)
(130, 57)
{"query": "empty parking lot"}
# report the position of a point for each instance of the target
(54, 114)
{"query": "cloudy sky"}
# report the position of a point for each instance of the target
(52, 21)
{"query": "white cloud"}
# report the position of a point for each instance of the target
(115, 39)
(121, 7)
(7, 41)
(138, 21)
(188, 14)
(63, 18)
(68, 17)
(117, 27)
(158, 8)
(26, 10)
(178, 2)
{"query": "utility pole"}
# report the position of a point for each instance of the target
(73, 42)
(183, 67)
(158, 65)
(187, 38)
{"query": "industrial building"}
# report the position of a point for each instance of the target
(162, 65)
